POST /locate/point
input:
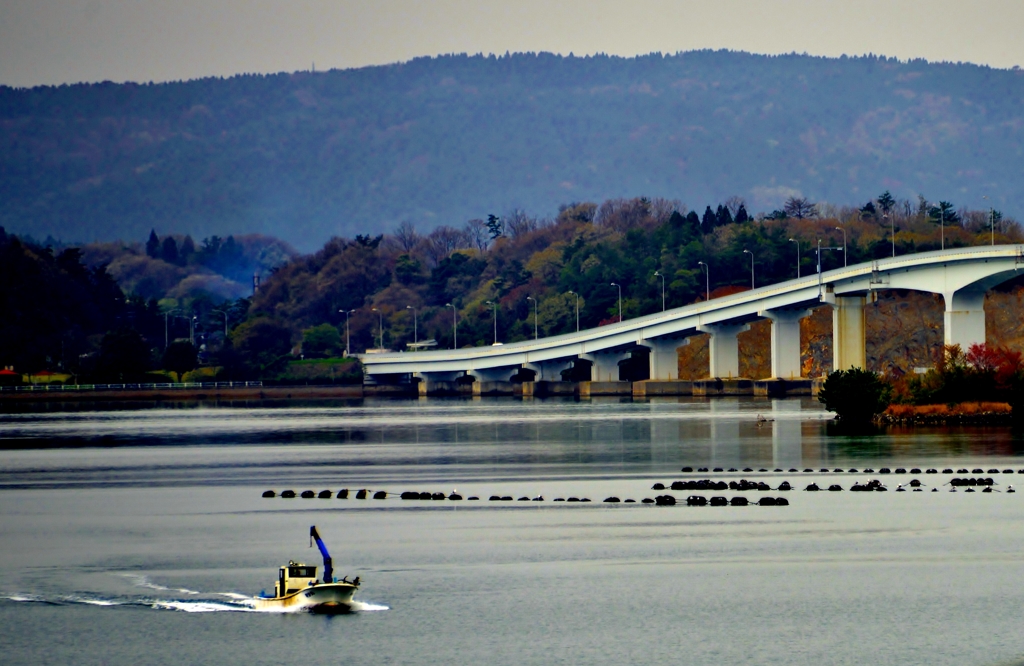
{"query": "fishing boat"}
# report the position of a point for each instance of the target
(297, 586)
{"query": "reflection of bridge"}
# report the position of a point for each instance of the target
(962, 276)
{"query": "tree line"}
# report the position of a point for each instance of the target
(499, 277)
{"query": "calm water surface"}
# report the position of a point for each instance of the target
(138, 537)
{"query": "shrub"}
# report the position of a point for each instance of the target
(855, 395)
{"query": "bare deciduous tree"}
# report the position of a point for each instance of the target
(477, 234)
(441, 242)
(799, 207)
(406, 236)
(733, 203)
(518, 223)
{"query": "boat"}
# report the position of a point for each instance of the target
(297, 586)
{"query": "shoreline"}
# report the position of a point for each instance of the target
(163, 395)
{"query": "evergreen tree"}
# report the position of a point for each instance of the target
(153, 245)
(187, 249)
(693, 220)
(494, 226)
(169, 250)
(742, 215)
(708, 222)
(722, 216)
(886, 202)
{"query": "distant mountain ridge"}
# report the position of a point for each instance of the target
(305, 156)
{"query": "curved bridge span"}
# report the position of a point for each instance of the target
(962, 276)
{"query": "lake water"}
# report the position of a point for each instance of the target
(138, 536)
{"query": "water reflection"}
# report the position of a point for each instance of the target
(442, 438)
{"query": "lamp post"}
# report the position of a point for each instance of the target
(845, 253)
(658, 274)
(797, 241)
(531, 298)
(751, 267)
(495, 308)
(942, 225)
(225, 322)
(707, 280)
(619, 287)
(380, 327)
(192, 330)
(415, 325)
(991, 222)
(577, 310)
(166, 336)
(455, 326)
(348, 346)
(892, 233)
(820, 248)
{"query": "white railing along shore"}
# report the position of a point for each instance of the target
(130, 387)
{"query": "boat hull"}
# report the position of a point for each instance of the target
(323, 598)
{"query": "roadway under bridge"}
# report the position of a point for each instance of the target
(962, 276)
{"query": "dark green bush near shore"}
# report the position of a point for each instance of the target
(855, 395)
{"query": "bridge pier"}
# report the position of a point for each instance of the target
(664, 358)
(723, 349)
(964, 318)
(439, 383)
(549, 371)
(785, 341)
(849, 332)
(493, 381)
(605, 366)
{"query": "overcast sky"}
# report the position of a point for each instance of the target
(63, 41)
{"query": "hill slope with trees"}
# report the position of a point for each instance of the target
(434, 141)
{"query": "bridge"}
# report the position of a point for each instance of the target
(962, 276)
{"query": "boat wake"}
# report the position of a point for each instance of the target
(220, 603)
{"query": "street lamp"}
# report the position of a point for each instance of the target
(577, 310)
(415, 325)
(348, 346)
(658, 274)
(892, 232)
(166, 337)
(991, 221)
(942, 224)
(380, 327)
(455, 326)
(531, 298)
(845, 253)
(797, 241)
(495, 307)
(751, 267)
(820, 248)
(707, 280)
(225, 322)
(619, 287)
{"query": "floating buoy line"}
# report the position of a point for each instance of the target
(985, 484)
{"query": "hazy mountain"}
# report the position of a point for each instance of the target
(305, 156)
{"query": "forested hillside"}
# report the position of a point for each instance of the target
(307, 156)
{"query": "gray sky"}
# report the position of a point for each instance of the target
(63, 41)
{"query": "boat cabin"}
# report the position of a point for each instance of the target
(294, 577)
